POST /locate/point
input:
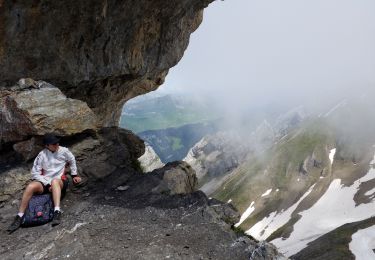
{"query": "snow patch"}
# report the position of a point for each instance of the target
(363, 244)
(268, 225)
(267, 193)
(370, 192)
(229, 201)
(150, 160)
(246, 214)
(332, 155)
(335, 208)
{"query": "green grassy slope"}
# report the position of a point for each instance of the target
(165, 112)
(279, 168)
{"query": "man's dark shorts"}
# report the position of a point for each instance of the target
(63, 190)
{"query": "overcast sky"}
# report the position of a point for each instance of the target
(249, 51)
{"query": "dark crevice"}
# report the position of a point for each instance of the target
(81, 40)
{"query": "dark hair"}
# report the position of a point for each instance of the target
(50, 139)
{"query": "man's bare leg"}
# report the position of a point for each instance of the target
(56, 187)
(34, 187)
(31, 189)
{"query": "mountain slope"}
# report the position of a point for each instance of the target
(288, 194)
(173, 144)
(335, 244)
(161, 112)
(217, 155)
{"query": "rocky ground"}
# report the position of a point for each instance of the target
(114, 224)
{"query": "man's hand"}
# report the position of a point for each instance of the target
(77, 179)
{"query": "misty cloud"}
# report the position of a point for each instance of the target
(286, 52)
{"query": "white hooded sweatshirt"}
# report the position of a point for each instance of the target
(51, 165)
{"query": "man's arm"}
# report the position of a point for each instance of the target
(73, 166)
(37, 170)
(72, 162)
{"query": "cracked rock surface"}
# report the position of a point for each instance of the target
(111, 225)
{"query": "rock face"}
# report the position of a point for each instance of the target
(111, 153)
(173, 178)
(217, 154)
(38, 108)
(12, 182)
(107, 154)
(150, 160)
(29, 149)
(103, 52)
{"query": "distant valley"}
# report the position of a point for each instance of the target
(301, 180)
(170, 124)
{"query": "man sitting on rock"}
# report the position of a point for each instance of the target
(48, 175)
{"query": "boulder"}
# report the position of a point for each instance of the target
(179, 178)
(174, 178)
(29, 149)
(111, 150)
(225, 211)
(12, 182)
(35, 107)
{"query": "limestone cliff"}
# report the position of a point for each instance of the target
(150, 160)
(103, 52)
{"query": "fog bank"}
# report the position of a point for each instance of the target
(292, 52)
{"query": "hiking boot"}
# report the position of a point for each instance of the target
(56, 218)
(15, 225)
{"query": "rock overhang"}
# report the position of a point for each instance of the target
(103, 52)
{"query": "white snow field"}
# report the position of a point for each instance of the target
(370, 192)
(332, 155)
(268, 225)
(246, 214)
(363, 244)
(267, 193)
(335, 208)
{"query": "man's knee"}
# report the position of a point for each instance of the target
(57, 183)
(34, 187)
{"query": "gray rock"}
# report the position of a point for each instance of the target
(26, 112)
(97, 229)
(180, 178)
(264, 250)
(174, 178)
(102, 52)
(150, 160)
(29, 149)
(226, 212)
(122, 188)
(110, 151)
(12, 182)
